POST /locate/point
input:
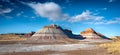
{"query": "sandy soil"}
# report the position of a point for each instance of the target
(99, 51)
(57, 47)
(86, 47)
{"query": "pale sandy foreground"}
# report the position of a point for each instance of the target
(31, 48)
(82, 48)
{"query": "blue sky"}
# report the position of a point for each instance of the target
(24, 16)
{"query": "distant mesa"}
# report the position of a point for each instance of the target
(28, 35)
(89, 33)
(49, 34)
(56, 34)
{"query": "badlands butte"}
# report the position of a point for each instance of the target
(54, 40)
(56, 34)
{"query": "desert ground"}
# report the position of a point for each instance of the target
(84, 47)
(12, 46)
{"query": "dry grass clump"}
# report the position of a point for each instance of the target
(113, 47)
(11, 37)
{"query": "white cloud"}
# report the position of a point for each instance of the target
(86, 15)
(33, 17)
(4, 11)
(112, 22)
(20, 13)
(50, 10)
(104, 8)
(53, 12)
(111, 1)
(107, 22)
(115, 21)
(3, 15)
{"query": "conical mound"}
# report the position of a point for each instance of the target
(89, 33)
(89, 30)
(52, 33)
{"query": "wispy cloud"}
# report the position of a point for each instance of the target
(115, 21)
(50, 10)
(53, 12)
(4, 11)
(86, 15)
(101, 9)
(104, 8)
(111, 1)
(20, 13)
